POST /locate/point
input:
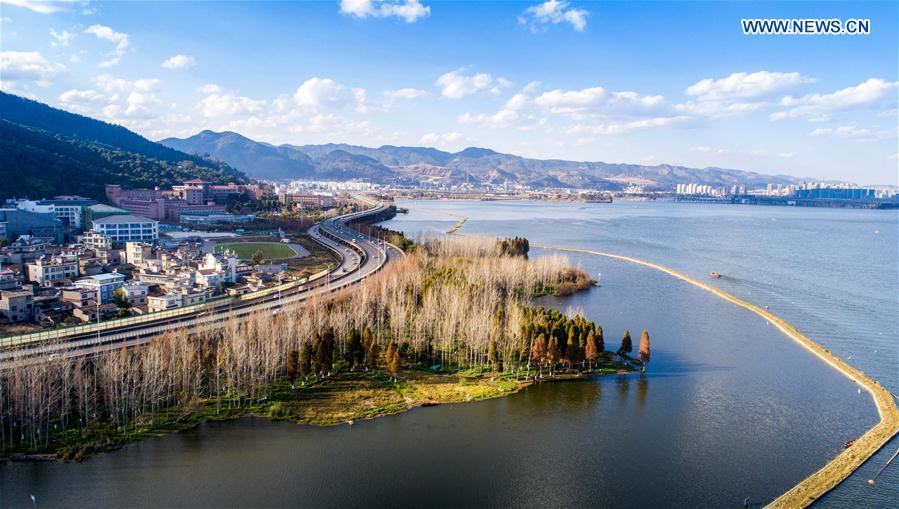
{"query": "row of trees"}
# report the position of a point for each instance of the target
(432, 307)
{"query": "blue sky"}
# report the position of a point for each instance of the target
(645, 83)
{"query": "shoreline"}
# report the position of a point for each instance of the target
(844, 464)
(417, 389)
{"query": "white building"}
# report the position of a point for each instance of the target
(210, 278)
(46, 271)
(224, 262)
(138, 253)
(127, 228)
(169, 300)
(136, 292)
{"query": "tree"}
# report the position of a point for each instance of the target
(553, 354)
(372, 350)
(600, 340)
(258, 257)
(626, 344)
(392, 356)
(120, 299)
(643, 353)
(305, 359)
(571, 349)
(538, 352)
(491, 355)
(590, 349)
(355, 351)
(293, 365)
(325, 357)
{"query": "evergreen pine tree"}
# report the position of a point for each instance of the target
(491, 355)
(293, 365)
(626, 344)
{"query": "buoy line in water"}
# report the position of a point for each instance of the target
(844, 464)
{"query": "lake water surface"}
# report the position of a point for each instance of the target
(729, 408)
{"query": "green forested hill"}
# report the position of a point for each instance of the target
(45, 152)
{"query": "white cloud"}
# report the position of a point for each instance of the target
(718, 108)
(113, 85)
(24, 66)
(229, 105)
(738, 93)
(104, 32)
(126, 99)
(600, 111)
(441, 139)
(819, 106)
(406, 93)
(179, 62)
(742, 85)
(740, 153)
(209, 88)
(514, 113)
(330, 125)
(456, 85)
(554, 12)
(597, 100)
(61, 38)
(622, 127)
(321, 93)
(112, 62)
(708, 150)
(851, 131)
(75, 96)
(409, 11)
(41, 6)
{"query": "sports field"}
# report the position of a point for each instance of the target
(245, 250)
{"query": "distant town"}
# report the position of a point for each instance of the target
(68, 259)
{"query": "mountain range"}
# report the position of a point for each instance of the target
(411, 165)
(46, 152)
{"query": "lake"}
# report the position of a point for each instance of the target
(728, 409)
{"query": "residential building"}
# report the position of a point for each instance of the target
(97, 240)
(137, 253)
(9, 280)
(80, 297)
(16, 305)
(136, 292)
(104, 284)
(127, 228)
(210, 278)
(162, 302)
(222, 262)
(45, 271)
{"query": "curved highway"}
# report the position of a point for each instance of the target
(360, 257)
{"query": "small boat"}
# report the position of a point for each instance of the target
(715, 275)
(848, 444)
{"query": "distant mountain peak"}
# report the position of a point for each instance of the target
(476, 152)
(412, 165)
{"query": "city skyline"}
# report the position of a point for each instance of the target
(567, 80)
